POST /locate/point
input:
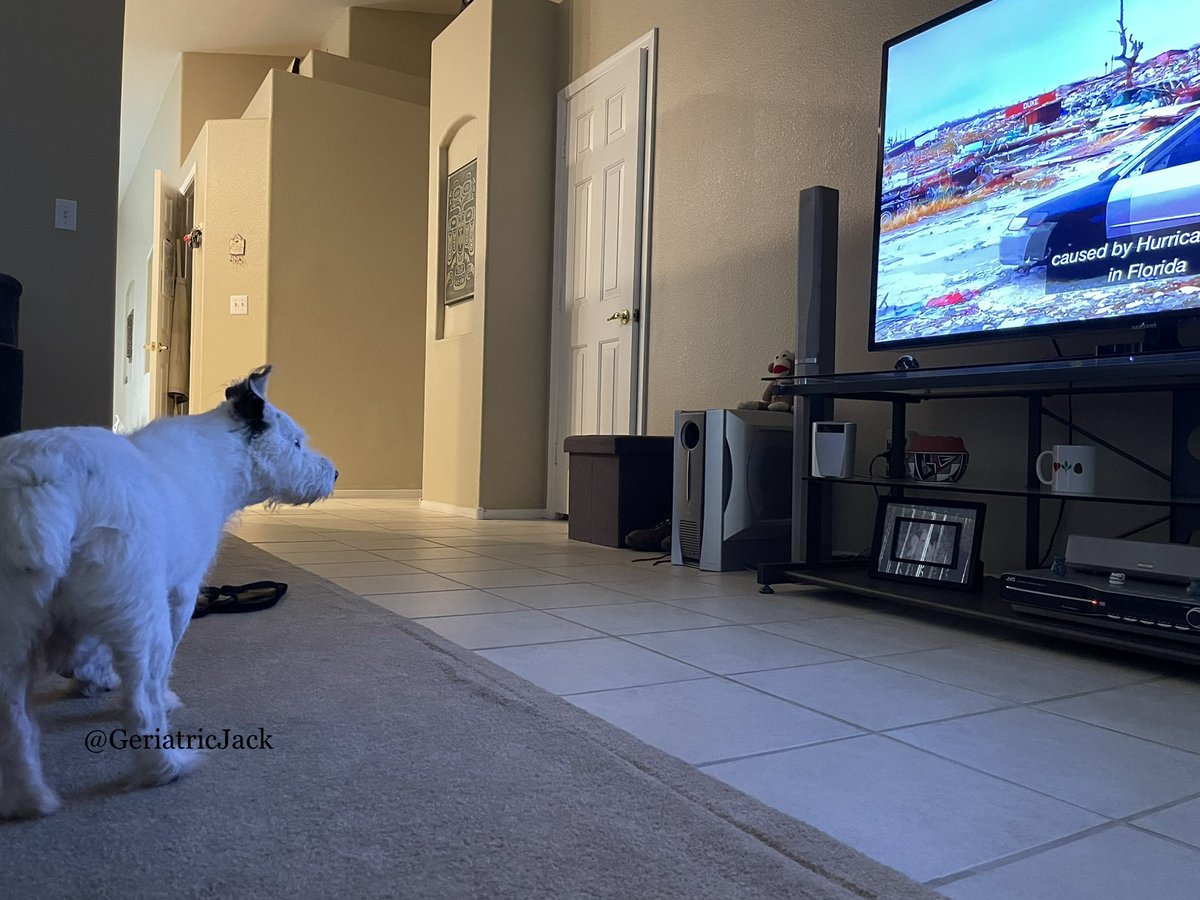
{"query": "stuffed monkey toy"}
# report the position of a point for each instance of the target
(783, 364)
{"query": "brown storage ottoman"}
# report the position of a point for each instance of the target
(617, 483)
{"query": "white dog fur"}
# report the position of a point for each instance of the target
(104, 541)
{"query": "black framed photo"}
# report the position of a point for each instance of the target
(933, 542)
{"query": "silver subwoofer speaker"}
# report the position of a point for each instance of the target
(687, 512)
(731, 502)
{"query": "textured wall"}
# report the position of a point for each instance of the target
(348, 230)
(751, 109)
(458, 111)
(218, 86)
(230, 157)
(205, 86)
(495, 72)
(131, 401)
(389, 38)
(60, 100)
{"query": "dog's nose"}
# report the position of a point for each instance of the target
(336, 473)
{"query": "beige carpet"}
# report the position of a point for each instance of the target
(402, 766)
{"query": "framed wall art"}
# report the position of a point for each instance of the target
(459, 277)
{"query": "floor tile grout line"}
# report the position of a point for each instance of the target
(1000, 862)
(1110, 730)
(889, 735)
(879, 660)
(763, 754)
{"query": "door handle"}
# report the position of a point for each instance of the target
(155, 345)
(623, 316)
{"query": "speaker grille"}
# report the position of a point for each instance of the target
(689, 539)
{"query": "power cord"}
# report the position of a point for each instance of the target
(871, 470)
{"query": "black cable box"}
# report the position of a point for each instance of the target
(1144, 607)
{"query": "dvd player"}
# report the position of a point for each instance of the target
(1164, 609)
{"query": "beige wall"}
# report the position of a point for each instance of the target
(495, 74)
(366, 77)
(382, 37)
(458, 107)
(131, 400)
(751, 109)
(204, 86)
(525, 78)
(60, 98)
(233, 203)
(337, 39)
(219, 86)
(349, 187)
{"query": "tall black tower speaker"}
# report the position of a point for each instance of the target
(816, 337)
(816, 280)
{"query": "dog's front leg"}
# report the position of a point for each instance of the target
(142, 655)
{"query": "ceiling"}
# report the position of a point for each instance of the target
(156, 33)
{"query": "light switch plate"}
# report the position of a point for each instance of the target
(64, 214)
(239, 305)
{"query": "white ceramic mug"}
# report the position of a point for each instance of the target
(1073, 468)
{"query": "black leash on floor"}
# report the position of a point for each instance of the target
(659, 560)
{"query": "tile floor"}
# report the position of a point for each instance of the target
(985, 764)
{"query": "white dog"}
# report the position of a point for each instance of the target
(104, 541)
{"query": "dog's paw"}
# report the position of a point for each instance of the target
(172, 701)
(94, 688)
(165, 766)
(25, 804)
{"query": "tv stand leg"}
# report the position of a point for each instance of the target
(1185, 468)
(773, 573)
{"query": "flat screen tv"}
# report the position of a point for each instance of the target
(1039, 171)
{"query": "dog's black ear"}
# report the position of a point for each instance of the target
(248, 405)
(258, 380)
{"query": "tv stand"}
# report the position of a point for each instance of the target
(1176, 373)
(1161, 337)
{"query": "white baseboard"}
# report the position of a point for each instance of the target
(469, 512)
(512, 514)
(377, 495)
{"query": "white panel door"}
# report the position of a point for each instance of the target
(599, 305)
(168, 226)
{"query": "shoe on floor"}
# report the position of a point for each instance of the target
(649, 538)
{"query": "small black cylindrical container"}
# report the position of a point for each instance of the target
(10, 305)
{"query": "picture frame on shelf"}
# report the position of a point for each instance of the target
(933, 542)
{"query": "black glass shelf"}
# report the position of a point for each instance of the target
(988, 604)
(1148, 372)
(962, 488)
(1031, 382)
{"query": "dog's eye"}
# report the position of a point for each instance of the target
(297, 445)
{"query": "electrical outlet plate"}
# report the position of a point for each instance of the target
(64, 214)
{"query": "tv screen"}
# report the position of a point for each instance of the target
(1039, 171)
